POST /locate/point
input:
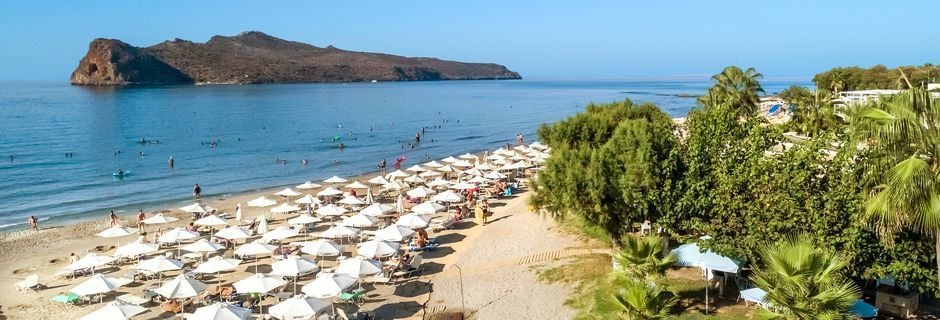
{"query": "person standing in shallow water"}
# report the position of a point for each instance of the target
(32, 223)
(171, 162)
(197, 191)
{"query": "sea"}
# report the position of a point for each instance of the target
(233, 139)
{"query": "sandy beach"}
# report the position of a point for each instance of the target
(497, 261)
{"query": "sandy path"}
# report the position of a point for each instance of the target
(498, 279)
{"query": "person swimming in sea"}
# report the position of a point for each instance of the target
(171, 162)
(342, 146)
(304, 162)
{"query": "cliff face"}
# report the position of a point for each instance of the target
(254, 57)
(112, 62)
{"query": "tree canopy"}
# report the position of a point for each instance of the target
(877, 77)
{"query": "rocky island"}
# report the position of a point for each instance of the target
(255, 57)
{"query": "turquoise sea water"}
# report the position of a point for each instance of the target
(255, 125)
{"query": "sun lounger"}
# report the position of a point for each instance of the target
(354, 296)
(30, 283)
(413, 267)
(69, 298)
(378, 279)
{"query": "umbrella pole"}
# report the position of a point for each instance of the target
(706, 292)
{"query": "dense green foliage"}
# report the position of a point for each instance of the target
(638, 299)
(736, 88)
(905, 133)
(644, 257)
(877, 77)
(736, 178)
(607, 165)
(804, 281)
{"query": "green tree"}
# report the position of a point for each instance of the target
(638, 299)
(804, 281)
(645, 257)
(737, 88)
(905, 132)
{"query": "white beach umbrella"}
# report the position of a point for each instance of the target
(322, 248)
(438, 183)
(328, 285)
(285, 208)
(356, 185)
(446, 168)
(260, 283)
(203, 245)
(430, 174)
(98, 283)
(420, 192)
(427, 207)
(467, 156)
(413, 221)
(538, 145)
(351, 200)
(450, 160)
(159, 264)
(359, 221)
(462, 164)
(416, 168)
(136, 248)
(473, 172)
(303, 219)
(447, 196)
(294, 266)
(414, 179)
(116, 231)
(433, 164)
(308, 199)
(375, 210)
(176, 235)
(233, 233)
(478, 179)
(337, 232)
(193, 208)
(329, 191)
(308, 185)
(494, 175)
(395, 185)
(484, 166)
(463, 185)
(220, 311)
(335, 179)
(400, 204)
(280, 233)
(211, 220)
(115, 311)
(262, 224)
(298, 307)
(331, 210)
(379, 180)
(181, 287)
(374, 249)
(358, 267)
(90, 260)
(216, 265)
(159, 218)
(254, 249)
(397, 174)
(288, 192)
(369, 197)
(261, 202)
(394, 232)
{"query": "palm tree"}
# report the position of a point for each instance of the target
(644, 256)
(738, 88)
(804, 281)
(638, 299)
(905, 132)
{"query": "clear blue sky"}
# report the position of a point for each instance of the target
(540, 39)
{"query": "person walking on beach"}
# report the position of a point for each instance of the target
(197, 191)
(113, 219)
(519, 139)
(140, 220)
(382, 166)
(32, 223)
(480, 213)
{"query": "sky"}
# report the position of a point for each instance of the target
(44, 40)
